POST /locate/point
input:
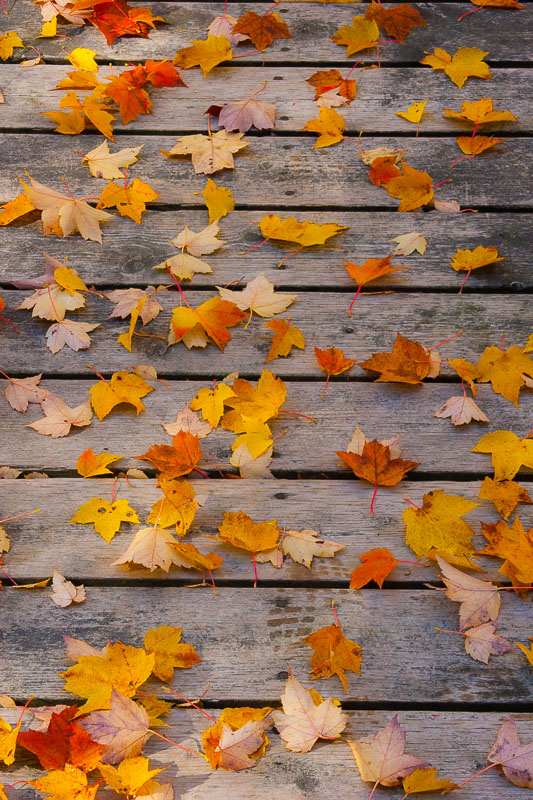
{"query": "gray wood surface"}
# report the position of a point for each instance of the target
(322, 317)
(76, 551)
(309, 26)
(380, 93)
(130, 251)
(381, 410)
(329, 770)
(244, 653)
(297, 176)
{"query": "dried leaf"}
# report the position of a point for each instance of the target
(362, 34)
(123, 387)
(509, 453)
(414, 188)
(330, 125)
(376, 565)
(466, 63)
(64, 592)
(104, 164)
(20, 392)
(218, 199)
(204, 53)
(209, 153)
(505, 495)
(515, 758)
(333, 654)
(286, 336)
(107, 517)
(462, 410)
(262, 29)
(59, 417)
(437, 527)
(383, 760)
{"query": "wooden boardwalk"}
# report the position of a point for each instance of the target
(450, 705)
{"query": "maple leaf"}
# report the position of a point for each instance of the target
(126, 300)
(8, 42)
(326, 81)
(52, 302)
(262, 29)
(104, 164)
(204, 53)
(306, 234)
(210, 320)
(466, 63)
(121, 732)
(360, 35)
(505, 495)
(479, 112)
(414, 112)
(302, 547)
(177, 507)
(333, 654)
(237, 740)
(516, 759)
(481, 642)
(130, 201)
(425, 780)
(8, 740)
(528, 651)
(209, 153)
(90, 463)
(306, 717)
(116, 18)
(333, 362)
(376, 565)
(409, 362)
(92, 107)
(195, 243)
(414, 188)
(383, 760)
(14, 209)
(107, 517)
(176, 460)
(396, 21)
(259, 296)
(248, 113)
(130, 776)
(68, 784)
(223, 26)
(480, 601)
(474, 145)
(218, 199)
(65, 214)
(376, 466)
(169, 651)
(383, 170)
(437, 527)
(505, 370)
(515, 545)
(188, 421)
(407, 243)
(70, 333)
(188, 556)
(259, 403)
(250, 467)
(211, 403)
(466, 371)
(286, 336)
(58, 417)
(509, 453)
(64, 592)
(368, 156)
(123, 387)
(64, 742)
(20, 392)
(372, 269)
(462, 410)
(330, 125)
(241, 531)
(151, 547)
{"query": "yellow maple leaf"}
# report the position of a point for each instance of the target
(104, 164)
(504, 494)
(218, 199)
(235, 719)
(480, 112)
(211, 402)
(241, 531)
(8, 741)
(414, 188)
(123, 387)
(69, 280)
(474, 145)
(204, 53)
(303, 233)
(130, 776)
(68, 784)
(8, 42)
(177, 507)
(437, 527)
(210, 320)
(286, 336)
(259, 403)
(414, 112)
(83, 59)
(528, 651)
(125, 338)
(169, 651)
(209, 153)
(255, 435)
(15, 208)
(508, 452)
(49, 29)
(425, 780)
(505, 370)
(123, 668)
(360, 35)
(106, 517)
(330, 125)
(130, 201)
(334, 654)
(90, 463)
(467, 62)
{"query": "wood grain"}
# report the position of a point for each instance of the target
(322, 317)
(76, 550)
(309, 25)
(296, 175)
(129, 251)
(381, 410)
(457, 742)
(380, 93)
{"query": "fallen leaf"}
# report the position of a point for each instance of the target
(286, 336)
(177, 507)
(515, 545)
(362, 34)
(407, 243)
(64, 592)
(248, 113)
(409, 362)
(211, 403)
(301, 546)
(376, 565)
(107, 517)
(462, 410)
(414, 188)
(151, 547)
(176, 460)
(330, 125)
(474, 145)
(218, 199)
(258, 403)
(466, 371)
(505, 495)
(63, 742)
(70, 333)
(368, 156)
(123, 387)
(437, 527)
(8, 42)
(383, 170)
(259, 296)
(509, 453)
(371, 270)
(209, 153)
(425, 780)
(8, 739)
(396, 21)
(505, 370)
(237, 740)
(188, 421)
(241, 531)
(466, 63)
(306, 717)
(479, 112)
(223, 26)
(20, 392)
(414, 112)
(130, 201)
(14, 209)
(376, 466)
(250, 467)
(204, 53)
(58, 417)
(467, 260)
(383, 761)
(480, 600)
(82, 58)
(123, 730)
(68, 784)
(333, 362)
(126, 300)
(5, 543)
(326, 81)
(262, 29)
(515, 758)
(188, 556)
(130, 776)
(528, 651)
(52, 302)
(482, 642)
(90, 463)
(210, 320)
(104, 164)
(169, 651)
(333, 654)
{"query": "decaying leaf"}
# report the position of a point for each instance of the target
(409, 362)
(376, 565)
(461, 410)
(59, 417)
(383, 760)
(516, 759)
(126, 300)
(209, 153)
(238, 739)
(407, 243)
(64, 592)
(188, 421)
(437, 527)
(504, 494)
(396, 21)
(480, 600)
(122, 730)
(333, 654)
(20, 392)
(248, 113)
(482, 642)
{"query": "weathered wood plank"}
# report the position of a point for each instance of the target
(381, 410)
(130, 251)
(296, 175)
(322, 317)
(76, 551)
(380, 93)
(457, 742)
(311, 25)
(244, 655)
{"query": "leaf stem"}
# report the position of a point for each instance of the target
(355, 298)
(372, 507)
(19, 516)
(181, 747)
(191, 703)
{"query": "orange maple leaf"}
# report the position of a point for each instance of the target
(333, 362)
(176, 460)
(372, 269)
(409, 362)
(376, 565)
(383, 169)
(262, 29)
(396, 21)
(414, 188)
(326, 80)
(210, 320)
